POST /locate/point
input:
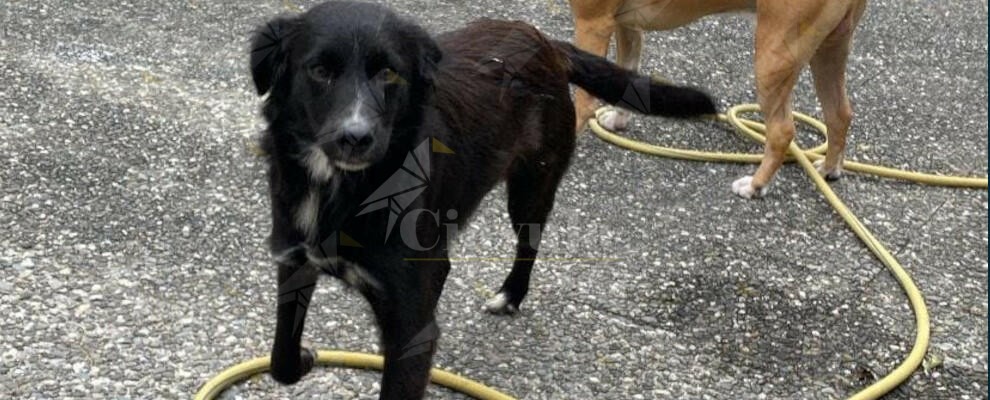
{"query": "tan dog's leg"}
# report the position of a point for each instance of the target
(593, 28)
(786, 38)
(628, 46)
(828, 67)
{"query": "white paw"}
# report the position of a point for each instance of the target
(614, 119)
(499, 305)
(744, 188)
(832, 175)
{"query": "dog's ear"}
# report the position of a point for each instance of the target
(269, 51)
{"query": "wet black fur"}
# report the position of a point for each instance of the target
(495, 93)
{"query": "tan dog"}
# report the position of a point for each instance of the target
(789, 35)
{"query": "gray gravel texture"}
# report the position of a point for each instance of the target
(132, 221)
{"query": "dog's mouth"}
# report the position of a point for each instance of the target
(351, 165)
(350, 158)
(351, 161)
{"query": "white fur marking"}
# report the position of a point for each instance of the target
(351, 273)
(356, 276)
(320, 262)
(744, 188)
(307, 212)
(357, 121)
(499, 304)
(286, 255)
(614, 119)
(318, 165)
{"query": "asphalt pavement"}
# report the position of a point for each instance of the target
(133, 214)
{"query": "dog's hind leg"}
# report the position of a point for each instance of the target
(296, 283)
(828, 67)
(532, 187)
(531, 192)
(593, 30)
(628, 52)
(786, 39)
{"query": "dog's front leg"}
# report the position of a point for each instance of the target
(296, 283)
(409, 347)
(408, 327)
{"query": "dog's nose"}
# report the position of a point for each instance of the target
(355, 141)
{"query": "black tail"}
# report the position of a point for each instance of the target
(630, 90)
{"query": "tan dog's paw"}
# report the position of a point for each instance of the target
(832, 175)
(744, 188)
(614, 119)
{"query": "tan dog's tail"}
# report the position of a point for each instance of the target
(630, 90)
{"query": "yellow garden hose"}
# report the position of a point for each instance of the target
(245, 370)
(755, 130)
(212, 388)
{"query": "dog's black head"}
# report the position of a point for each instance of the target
(346, 74)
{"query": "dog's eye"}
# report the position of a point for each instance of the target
(319, 73)
(392, 77)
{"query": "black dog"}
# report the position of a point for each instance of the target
(383, 141)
